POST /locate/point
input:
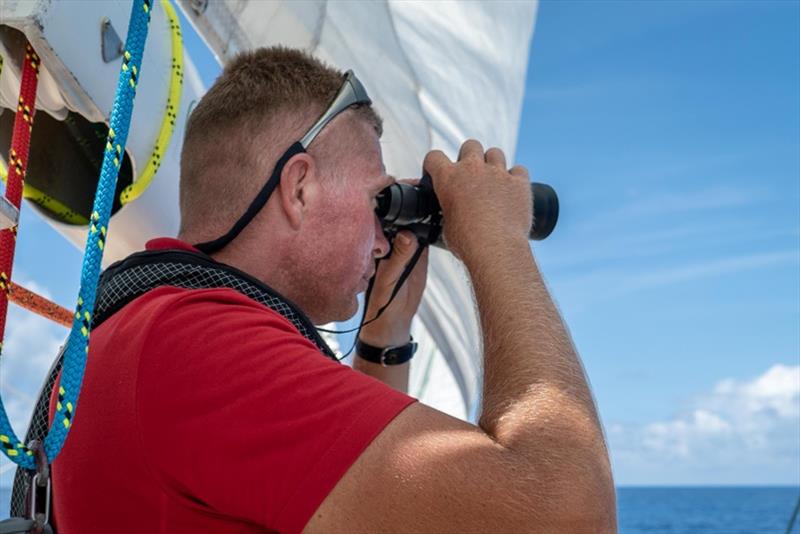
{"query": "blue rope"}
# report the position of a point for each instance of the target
(78, 341)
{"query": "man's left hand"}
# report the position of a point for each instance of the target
(393, 327)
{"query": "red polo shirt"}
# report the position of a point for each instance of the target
(205, 411)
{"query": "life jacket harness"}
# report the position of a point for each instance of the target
(128, 279)
(143, 271)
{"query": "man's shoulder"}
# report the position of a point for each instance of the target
(194, 307)
(187, 323)
(184, 337)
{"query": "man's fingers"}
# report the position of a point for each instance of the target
(403, 248)
(519, 170)
(495, 156)
(471, 149)
(435, 162)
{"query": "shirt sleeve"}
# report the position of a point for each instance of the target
(242, 415)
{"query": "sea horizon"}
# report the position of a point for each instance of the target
(691, 485)
(676, 509)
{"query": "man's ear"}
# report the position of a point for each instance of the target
(298, 180)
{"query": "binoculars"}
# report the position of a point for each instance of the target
(416, 208)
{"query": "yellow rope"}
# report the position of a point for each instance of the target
(135, 190)
(47, 202)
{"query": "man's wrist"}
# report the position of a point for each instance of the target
(384, 339)
(491, 248)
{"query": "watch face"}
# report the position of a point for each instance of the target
(398, 355)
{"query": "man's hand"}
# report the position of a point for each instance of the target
(482, 202)
(538, 455)
(393, 327)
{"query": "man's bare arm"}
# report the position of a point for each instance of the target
(530, 359)
(395, 376)
(537, 462)
(536, 401)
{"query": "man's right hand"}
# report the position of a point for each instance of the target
(482, 202)
(537, 460)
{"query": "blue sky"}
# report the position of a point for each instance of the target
(671, 132)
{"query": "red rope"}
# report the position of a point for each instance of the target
(17, 165)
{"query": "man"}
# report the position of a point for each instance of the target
(209, 404)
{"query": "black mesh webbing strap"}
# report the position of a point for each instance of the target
(139, 273)
(134, 276)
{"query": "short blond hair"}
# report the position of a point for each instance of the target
(247, 117)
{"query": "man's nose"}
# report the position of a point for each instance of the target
(381, 247)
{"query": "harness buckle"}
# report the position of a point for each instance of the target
(40, 490)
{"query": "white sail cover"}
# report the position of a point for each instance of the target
(439, 73)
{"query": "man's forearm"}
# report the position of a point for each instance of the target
(395, 376)
(526, 345)
(536, 400)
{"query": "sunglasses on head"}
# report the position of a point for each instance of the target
(351, 93)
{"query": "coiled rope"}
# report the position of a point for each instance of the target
(78, 342)
(171, 108)
(135, 190)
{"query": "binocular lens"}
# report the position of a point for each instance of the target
(545, 211)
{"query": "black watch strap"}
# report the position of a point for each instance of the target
(388, 355)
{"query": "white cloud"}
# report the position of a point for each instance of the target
(32, 285)
(740, 432)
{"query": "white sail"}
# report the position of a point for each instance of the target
(438, 72)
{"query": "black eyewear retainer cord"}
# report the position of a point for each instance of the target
(351, 93)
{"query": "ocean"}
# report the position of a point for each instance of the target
(706, 510)
(685, 510)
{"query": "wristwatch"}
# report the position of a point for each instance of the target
(388, 355)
